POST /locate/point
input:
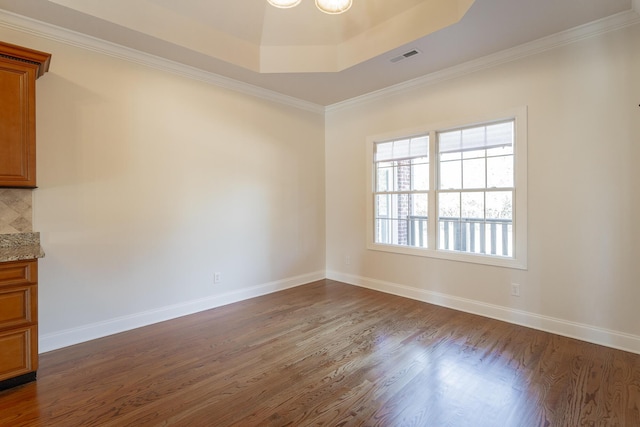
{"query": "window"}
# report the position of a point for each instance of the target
(401, 191)
(469, 178)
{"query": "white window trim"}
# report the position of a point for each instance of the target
(519, 260)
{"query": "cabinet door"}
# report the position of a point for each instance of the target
(18, 318)
(18, 352)
(17, 124)
(18, 306)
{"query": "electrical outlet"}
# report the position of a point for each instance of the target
(217, 277)
(515, 289)
(347, 260)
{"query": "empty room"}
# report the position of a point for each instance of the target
(320, 212)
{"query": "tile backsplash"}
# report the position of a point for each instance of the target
(16, 210)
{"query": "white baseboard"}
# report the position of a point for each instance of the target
(601, 336)
(65, 338)
(592, 334)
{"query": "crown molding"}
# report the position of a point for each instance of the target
(55, 33)
(62, 35)
(573, 35)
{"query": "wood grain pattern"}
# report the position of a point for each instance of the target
(335, 355)
(18, 321)
(19, 69)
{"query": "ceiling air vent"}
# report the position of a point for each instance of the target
(409, 54)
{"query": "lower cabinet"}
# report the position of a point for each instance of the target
(18, 322)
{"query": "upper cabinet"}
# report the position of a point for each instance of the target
(19, 69)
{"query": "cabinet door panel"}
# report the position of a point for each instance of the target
(18, 273)
(17, 306)
(17, 124)
(17, 352)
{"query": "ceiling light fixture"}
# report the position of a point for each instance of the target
(284, 4)
(332, 7)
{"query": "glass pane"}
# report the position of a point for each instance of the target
(500, 134)
(500, 151)
(499, 238)
(402, 206)
(386, 230)
(417, 232)
(419, 205)
(449, 205)
(473, 205)
(383, 206)
(420, 181)
(449, 234)
(473, 137)
(401, 149)
(397, 226)
(384, 151)
(403, 175)
(500, 172)
(499, 205)
(456, 155)
(473, 173)
(475, 154)
(450, 141)
(397, 206)
(384, 181)
(451, 175)
(420, 146)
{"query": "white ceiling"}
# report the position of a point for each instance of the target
(319, 58)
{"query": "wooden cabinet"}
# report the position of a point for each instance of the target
(18, 322)
(19, 69)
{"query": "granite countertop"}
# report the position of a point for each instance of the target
(20, 246)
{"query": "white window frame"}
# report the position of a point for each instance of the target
(519, 259)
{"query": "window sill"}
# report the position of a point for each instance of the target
(493, 261)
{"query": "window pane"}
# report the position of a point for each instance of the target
(475, 154)
(500, 172)
(500, 134)
(384, 151)
(499, 238)
(387, 231)
(417, 232)
(401, 219)
(399, 206)
(420, 175)
(417, 224)
(419, 204)
(500, 151)
(499, 205)
(473, 205)
(474, 137)
(449, 205)
(473, 173)
(450, 141)
(401, 148)
(403, 175)
(384, 181)
(456, 155)
(383, 206)
(451, 175)
(420, 146)
(478, 137)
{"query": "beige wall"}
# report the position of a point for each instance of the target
(584, 193)
(150, 182)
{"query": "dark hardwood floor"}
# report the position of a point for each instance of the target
(330, 354)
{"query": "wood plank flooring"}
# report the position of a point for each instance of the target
(330, 354)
